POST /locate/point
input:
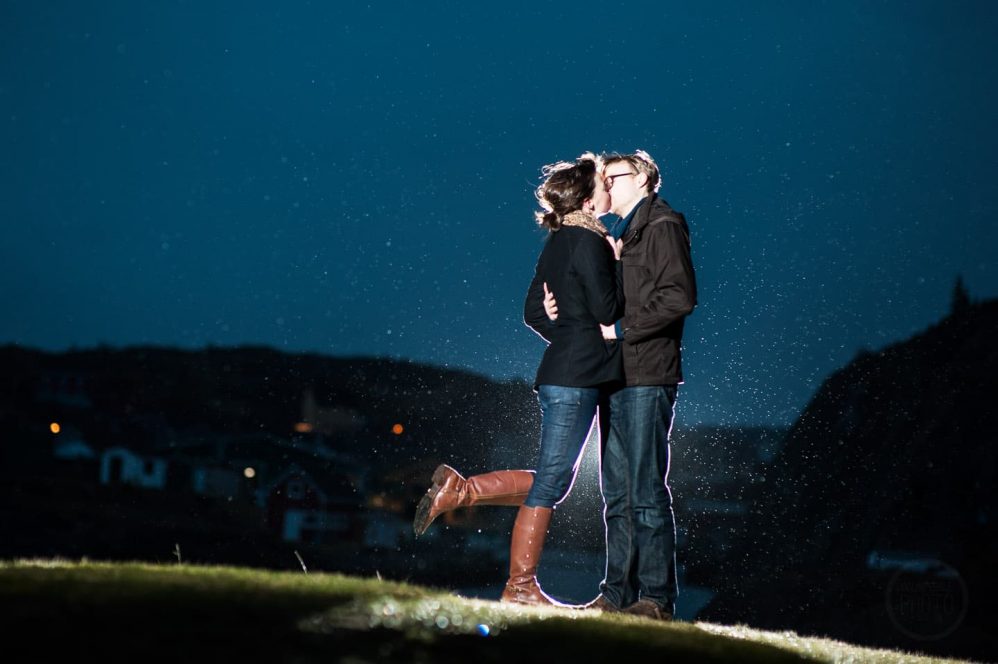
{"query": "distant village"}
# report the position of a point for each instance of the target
(305, 490)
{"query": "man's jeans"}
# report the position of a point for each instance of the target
(567, 415)
(634, 473)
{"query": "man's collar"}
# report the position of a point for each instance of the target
(619, 228)
(630, 215)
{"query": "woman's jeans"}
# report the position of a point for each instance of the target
(634, 473)
(567, 415)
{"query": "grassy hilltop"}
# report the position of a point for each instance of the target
(144, 612)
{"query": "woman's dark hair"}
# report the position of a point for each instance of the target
(567, 185)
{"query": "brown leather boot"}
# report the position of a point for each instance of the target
(450, 491)
(529, 531)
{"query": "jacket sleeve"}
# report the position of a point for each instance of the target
(533, 307)
(600, 275)
(674, 290)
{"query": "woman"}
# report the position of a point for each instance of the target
(579, 263)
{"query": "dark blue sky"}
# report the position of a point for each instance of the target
(357, 179)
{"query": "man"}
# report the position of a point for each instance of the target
(659, 292)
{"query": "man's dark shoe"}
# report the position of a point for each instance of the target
(601, 603)
(648, 609)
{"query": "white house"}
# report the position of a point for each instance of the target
(122, 466)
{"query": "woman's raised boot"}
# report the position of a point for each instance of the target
(450, 490)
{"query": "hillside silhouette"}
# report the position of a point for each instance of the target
(889, 470)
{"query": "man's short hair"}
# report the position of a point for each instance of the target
(642, 163)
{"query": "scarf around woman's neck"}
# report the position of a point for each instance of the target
(588, 221)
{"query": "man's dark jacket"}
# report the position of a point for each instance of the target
(660, 290)
(578, 266)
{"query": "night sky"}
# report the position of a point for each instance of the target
(358, 179)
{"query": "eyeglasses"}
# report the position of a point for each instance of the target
(608, 179)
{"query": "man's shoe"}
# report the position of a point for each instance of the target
(648, 609)
(601, 603)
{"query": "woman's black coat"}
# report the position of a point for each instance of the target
(579, 268)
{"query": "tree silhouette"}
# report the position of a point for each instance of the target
(961, 297)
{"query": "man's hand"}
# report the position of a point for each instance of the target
(550, 305)
(616, 245)
(609, 331)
